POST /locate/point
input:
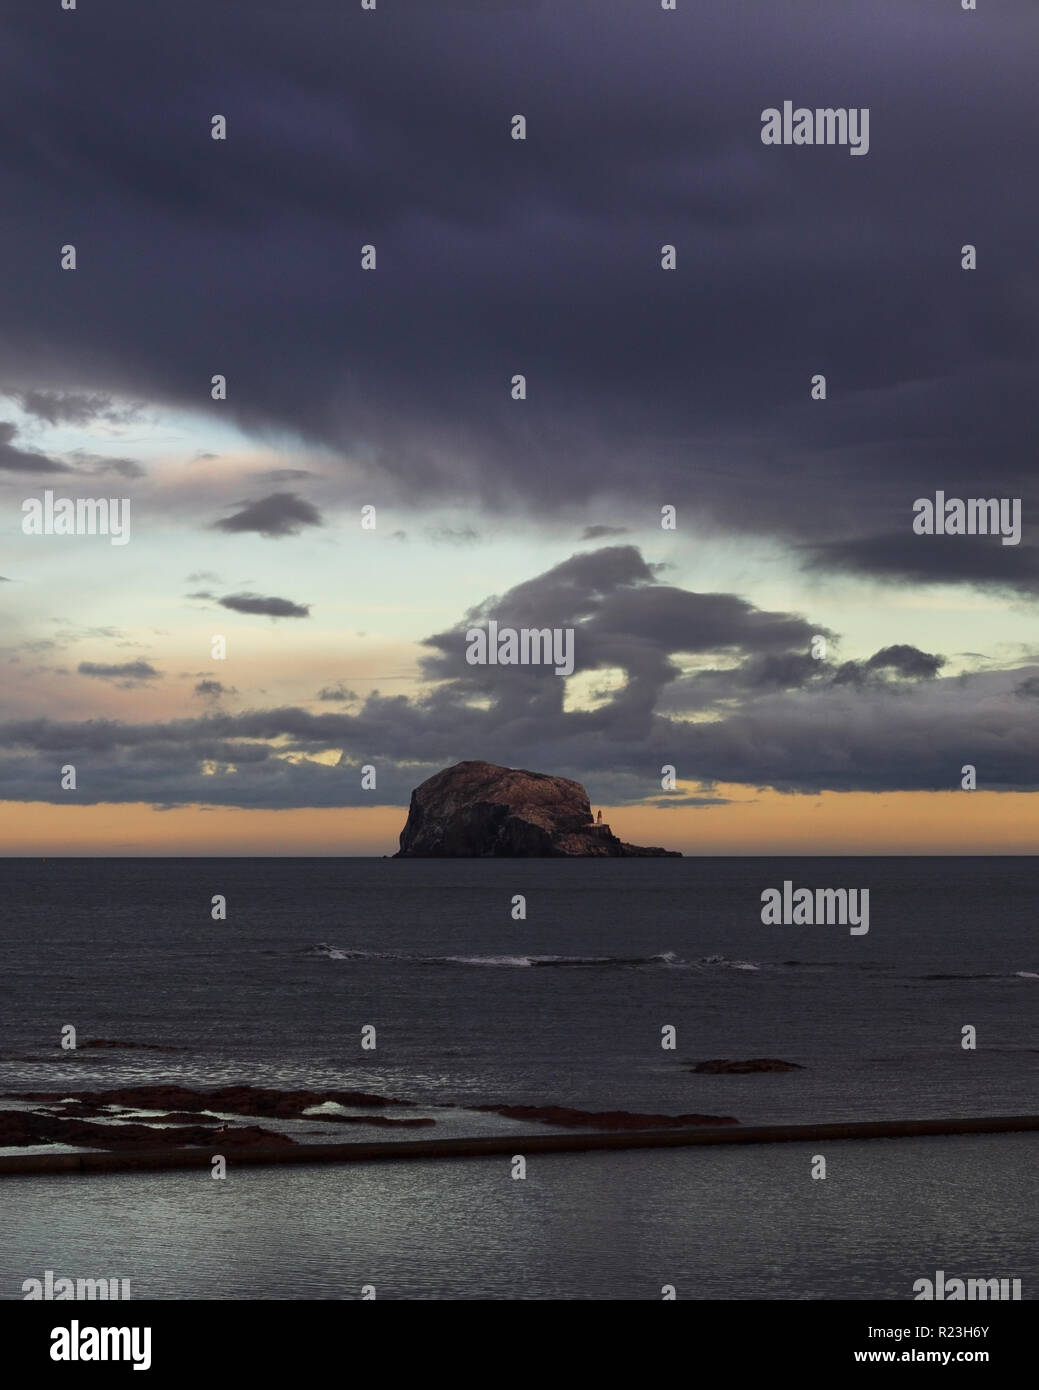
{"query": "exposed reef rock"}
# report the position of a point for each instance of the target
(227, 1100)
(482, 811)
(19, 1128)
(104, 1119)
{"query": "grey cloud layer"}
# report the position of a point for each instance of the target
(764, 713)
(125, 674)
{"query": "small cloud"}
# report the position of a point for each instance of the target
(398, 535)
(126, 676)
(270, 607)
(596, 533)
(282, 475)
(97, 464)
(908, 661)
(337, 693)
(447, 535)
(670, 803)
(905, 662)
(201, 594)
(281, 514)
(202, 577)
(213, 690)
(73, 407)
(200, 456)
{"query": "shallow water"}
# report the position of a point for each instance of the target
(717, 1224)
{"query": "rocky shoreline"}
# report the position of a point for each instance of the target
(186, 1116)
(175, 1126)
(172, 1116)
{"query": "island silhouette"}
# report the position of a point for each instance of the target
(478, 810)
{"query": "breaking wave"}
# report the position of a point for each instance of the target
(663, 959)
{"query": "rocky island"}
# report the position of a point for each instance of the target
(482, 811)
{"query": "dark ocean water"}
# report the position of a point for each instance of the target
(472, 1007)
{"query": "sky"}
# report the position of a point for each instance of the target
(817, 673)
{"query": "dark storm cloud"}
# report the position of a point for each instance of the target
(805, 743)
(981, 560)
(623, 617)
(126, 674)
(14, 460)
(280, 514)
(894, 668)
(767, 719)
(272, 607)
(542, 256)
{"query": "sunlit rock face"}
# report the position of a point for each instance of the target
(479, 810)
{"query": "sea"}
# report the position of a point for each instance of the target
(596, 984)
